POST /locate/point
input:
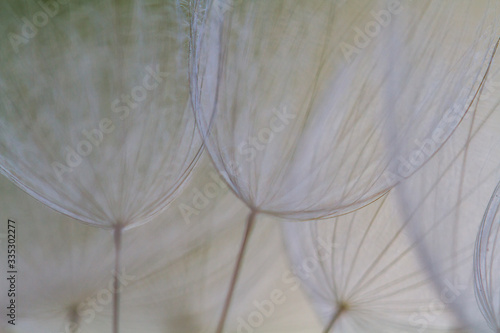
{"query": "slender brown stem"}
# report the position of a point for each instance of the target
(116, 286)
(236, 272)
(74, 320)
(336, 316)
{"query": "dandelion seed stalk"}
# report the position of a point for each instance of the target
(74, 320)
(116, 287)
(341, 309)
(236, 272)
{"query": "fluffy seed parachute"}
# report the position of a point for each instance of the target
(405, 262)
(95, 114)
(308, 121)
(312, 120)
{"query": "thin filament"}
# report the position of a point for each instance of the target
(335, 317)
(236, 272)
(116, 288)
